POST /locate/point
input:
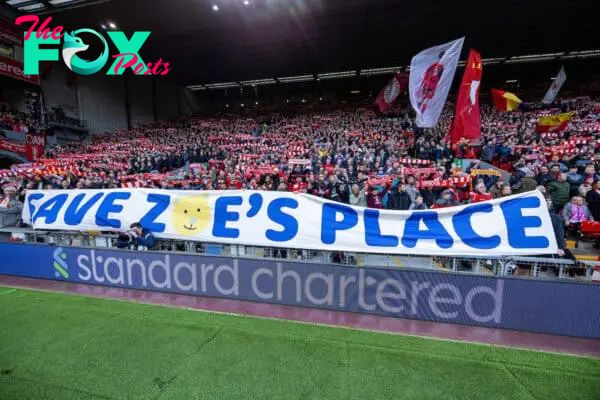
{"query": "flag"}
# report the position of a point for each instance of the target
(431, 74)
(555, 87)
(389, 93)
(505, 101)
(467, 120)
(553, 123)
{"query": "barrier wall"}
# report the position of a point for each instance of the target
(529, 305)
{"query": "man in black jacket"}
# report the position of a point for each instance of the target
(593, 199)
(399, 199)
(558, 226)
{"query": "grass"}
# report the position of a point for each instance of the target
(57, 346)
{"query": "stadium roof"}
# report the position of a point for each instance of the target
(304, 39)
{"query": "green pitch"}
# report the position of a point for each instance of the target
(56, 346)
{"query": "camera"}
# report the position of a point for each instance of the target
(127, 236)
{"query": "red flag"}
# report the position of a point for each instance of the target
(505, 101)
(389, 94)
(467, 120)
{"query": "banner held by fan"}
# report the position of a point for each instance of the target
(553, 90)
(390, 93)
(431, 74)
(467, 120)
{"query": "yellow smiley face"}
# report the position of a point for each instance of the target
(191, 215)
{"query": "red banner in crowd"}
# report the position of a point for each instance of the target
(467, 120)
(14, 69)
(35, 145)
(12, 147)
(10, 34)
(388, 95)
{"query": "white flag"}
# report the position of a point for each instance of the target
(431, 74)
(555, 87)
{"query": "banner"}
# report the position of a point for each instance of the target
(518, 224)
(12, 147)
(553, 90)
(10, 34)
(388, 95)
(553, 123)
(505, 101)
(431, 74)
(467, 120)
(35, 145)
(14, 69)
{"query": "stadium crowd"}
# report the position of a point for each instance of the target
(353, 156)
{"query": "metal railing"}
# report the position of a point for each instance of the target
(531, 267)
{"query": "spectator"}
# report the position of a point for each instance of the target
(480, 194)
(574, 213)
(544, 177)
(418, 204)
(399, 199)
(448, 199)
(375, 197)
(496, 189)
(10, 210)
(357, 196)
(137, 238)
(411, 188)
(506, 191)
(560, 191)
(593, 199)
(557, 224)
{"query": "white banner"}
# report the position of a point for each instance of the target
(431, 74)
(555, 87)
(518, 224)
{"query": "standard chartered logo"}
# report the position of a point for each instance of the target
(295, 284)
(61, 268)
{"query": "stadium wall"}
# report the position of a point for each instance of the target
(140, 92)
(102, 103)
(166, 98)
(562, 308)
(57, 93)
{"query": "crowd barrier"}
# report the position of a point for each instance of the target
(527, 267)
(557, 307)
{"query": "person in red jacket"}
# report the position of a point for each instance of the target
(432, 77)
(481, 194)
(375, 197)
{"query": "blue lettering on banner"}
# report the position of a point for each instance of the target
(501, 302)
(161, 203)
(108, 207)
(464, 228)
(50, 208)
(288, 222)
(435, 230)
(256, 201)
(329, 223)
(30, 199)
(516, 223)
(373, 236)
(223, 215)
(75, 213)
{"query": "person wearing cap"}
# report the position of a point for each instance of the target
(10, 207)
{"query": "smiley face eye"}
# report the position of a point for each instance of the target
(198, 210)
(185, 211)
